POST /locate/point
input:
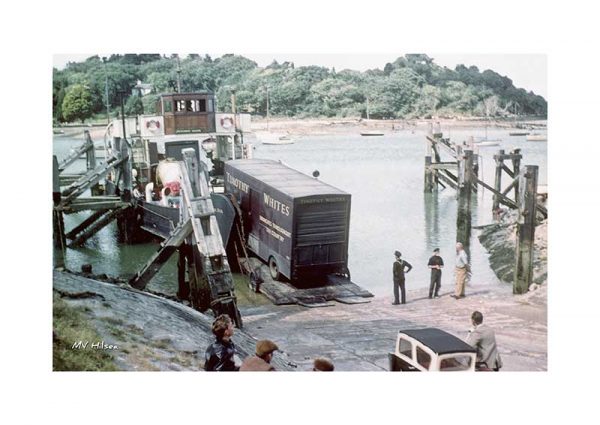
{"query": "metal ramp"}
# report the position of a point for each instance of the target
(335, 288)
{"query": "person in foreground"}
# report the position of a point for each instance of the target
(483, 338)
(261, 362)
(219, 354)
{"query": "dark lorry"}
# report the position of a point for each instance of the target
(297, 224)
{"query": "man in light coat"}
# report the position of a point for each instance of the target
(462, 270)
(483, 338)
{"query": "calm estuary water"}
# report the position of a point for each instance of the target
(390, 211)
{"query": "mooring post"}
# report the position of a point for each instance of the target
(499, 158)
(429, 185)
(465, 187)
(60, 241)
(90, 153)
(525, 229)
(516, 160)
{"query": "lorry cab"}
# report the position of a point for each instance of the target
(431, 350)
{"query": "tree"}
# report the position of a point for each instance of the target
(77, 104)
(133, 105)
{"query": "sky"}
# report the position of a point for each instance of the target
(527, 71)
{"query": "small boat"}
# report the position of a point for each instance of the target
(487, 143)
(371, 133)
(518, 133)
(283, 140)
(536, 137)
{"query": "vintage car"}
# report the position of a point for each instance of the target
(431, 349)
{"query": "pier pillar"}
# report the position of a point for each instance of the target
(516, 160)
(498, 180)
(60, 241)
(525, 229)
(465, 187)
(429, 184)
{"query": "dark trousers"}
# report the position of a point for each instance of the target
(399, 283)
(436, 282)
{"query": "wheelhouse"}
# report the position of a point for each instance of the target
(187, 112)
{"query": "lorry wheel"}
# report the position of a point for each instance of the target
(273, 268)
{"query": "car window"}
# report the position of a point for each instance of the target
(423, 358)
(456, 363)
(405, 347)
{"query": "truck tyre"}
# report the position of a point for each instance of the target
(274, 269)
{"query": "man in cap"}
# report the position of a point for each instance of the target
(261, 362)
(462, 268)
(219, 355)
(436, 263)
(322, 365)
(399, 270)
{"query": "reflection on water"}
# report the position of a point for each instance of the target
(390, 211)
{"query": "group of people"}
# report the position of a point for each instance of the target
(436, 263)
(219, 356)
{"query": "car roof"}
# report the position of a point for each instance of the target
(439, 341)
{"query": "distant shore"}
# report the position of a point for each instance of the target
(304, 126)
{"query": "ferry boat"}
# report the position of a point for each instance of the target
(183, 121)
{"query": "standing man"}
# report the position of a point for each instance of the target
(483, 338)
(435, 264)
(399, 271)
(261, 362)
(462, 268)
(219, 354)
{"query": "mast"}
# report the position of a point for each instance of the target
(267, 108)
(178, 75)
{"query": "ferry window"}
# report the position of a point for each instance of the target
(456, 363)
(201, 105)
(423, 358)
(180, 106)
(405, 348)
(167, 106)
(211, 106)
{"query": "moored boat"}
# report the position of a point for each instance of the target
(371, 133)
(536, 137)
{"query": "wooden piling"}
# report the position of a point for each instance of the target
(465, 187)
(516, 160)
(498, 180)
(525, 229)
(429, 183)
(58, 223)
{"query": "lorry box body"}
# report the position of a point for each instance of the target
(298, 221)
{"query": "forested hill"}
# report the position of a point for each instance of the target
(413, 86)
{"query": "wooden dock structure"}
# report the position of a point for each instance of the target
(524, 195)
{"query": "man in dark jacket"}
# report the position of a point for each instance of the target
(219, 354)
(435, 264)
(399, 270)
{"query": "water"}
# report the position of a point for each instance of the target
(390, 211)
